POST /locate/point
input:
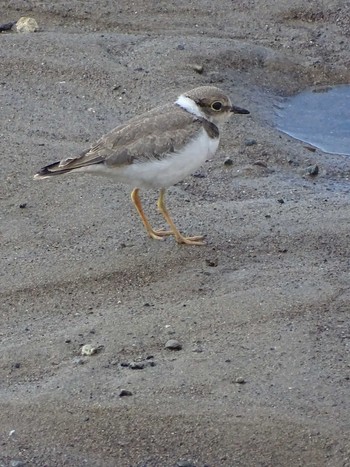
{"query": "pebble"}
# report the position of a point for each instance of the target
(312, 170)
(23, 205)
(281, 201)
(124, 392)
(137, 365)
(173, 344)
(7, 26)
(198, 69)
(228, 161)
(26, 24)
(17, 464)
(240, 380)
(89, 349)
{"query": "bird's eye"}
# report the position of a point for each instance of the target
(216, 106)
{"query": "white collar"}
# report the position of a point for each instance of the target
(190, 105)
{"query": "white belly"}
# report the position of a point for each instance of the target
(171, 169)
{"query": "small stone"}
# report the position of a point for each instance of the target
(173, 344)
(312, 170)
(137, 365)
(124, 392)
(17, 464)
(26, 24)
(240, 380)
(250, 142)
(281, 201)
(7, 26)
(198, 69)
(23, 205)
(89, 349)
(180, 47)
(228, 161)
(212, 263)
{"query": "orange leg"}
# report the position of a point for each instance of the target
(198, 240)
(156, 234)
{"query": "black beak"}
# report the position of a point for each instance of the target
(238, 110)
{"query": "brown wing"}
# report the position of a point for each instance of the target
(151, 135)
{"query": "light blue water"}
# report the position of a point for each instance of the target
(319, 118)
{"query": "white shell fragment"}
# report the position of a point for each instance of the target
(26, 24)
(89, 349)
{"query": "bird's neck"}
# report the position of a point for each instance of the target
(190, 106)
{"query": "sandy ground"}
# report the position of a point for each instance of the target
(261, 311)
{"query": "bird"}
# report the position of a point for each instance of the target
(156, 150)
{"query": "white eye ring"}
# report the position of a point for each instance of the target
(217, 105)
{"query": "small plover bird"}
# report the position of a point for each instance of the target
(156, 150)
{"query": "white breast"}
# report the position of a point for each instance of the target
(171, 169)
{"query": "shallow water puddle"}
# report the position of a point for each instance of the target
(320, 117)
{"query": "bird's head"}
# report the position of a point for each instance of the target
(211, 103)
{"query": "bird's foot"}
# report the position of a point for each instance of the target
(196, 240)
(159, 234)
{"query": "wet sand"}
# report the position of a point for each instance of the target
(261, 311)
